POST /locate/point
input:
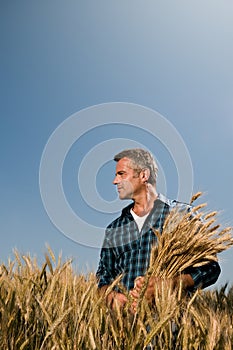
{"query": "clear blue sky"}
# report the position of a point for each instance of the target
(58, 58)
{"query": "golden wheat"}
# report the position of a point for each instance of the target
(51, 307)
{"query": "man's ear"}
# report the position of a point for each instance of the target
(145, 174)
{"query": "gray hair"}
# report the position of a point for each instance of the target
(140, 159)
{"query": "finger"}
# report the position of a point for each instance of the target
(139, 280)
(134, 293)
(134, 306)
(138, 288)
(133, 310)
(139, 283)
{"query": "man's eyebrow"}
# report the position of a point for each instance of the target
(120, 172)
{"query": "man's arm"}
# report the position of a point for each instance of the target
(184, 280)
(106, 273)
(106, 270)
(190, 280)
(204, 276)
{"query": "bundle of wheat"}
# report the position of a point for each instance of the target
(188, 239)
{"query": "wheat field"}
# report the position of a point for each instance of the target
(51, 307)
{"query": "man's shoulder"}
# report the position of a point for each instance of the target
(174, 203)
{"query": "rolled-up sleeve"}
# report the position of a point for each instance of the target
(205, 275)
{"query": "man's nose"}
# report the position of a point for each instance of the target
(115, 180)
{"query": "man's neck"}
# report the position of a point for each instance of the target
(144, 203)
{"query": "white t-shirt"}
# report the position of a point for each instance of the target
(139, 219)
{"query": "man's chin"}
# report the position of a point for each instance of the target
(122, 197)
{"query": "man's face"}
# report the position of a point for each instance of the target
(127, 180)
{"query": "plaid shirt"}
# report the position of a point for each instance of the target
(127, 251)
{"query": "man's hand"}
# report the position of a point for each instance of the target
(116, 300)
(184, 281)
(149, 292)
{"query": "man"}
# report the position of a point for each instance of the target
(129, 238)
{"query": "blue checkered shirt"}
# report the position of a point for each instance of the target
(127, 251)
